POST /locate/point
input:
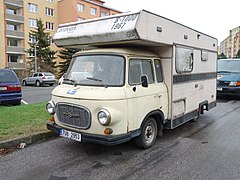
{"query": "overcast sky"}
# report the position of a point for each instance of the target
(212, 17)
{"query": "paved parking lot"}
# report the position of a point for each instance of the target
(33, 94)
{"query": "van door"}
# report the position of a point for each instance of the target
(143, 100)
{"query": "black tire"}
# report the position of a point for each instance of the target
(37, 83)
(24, 83)
(148, 135)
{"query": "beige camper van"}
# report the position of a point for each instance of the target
(135, 74)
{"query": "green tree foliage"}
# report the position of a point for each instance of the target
(66, 55)
(222, 56)
(45, 56)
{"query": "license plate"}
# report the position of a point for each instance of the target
(71, 135)
(219, 89)
(3, 88)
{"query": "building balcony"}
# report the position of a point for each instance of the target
(14, 18)
(15, 50)
(15, 34)
(16, 65)
(16, 3)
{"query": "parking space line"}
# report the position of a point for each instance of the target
(24, 102)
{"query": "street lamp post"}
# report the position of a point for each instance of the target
(35, 57)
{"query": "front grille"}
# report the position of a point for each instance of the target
(223, 83)
(73, 115)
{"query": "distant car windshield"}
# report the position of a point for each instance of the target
(7, 77)
(231, 66)
(96, 70)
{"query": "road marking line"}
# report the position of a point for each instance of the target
(24, 102)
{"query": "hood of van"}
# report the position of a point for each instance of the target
(231, 77)
(89, 93)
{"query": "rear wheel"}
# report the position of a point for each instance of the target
(24, 83)
(148, 134)
(38, 83)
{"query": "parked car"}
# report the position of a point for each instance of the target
(228, 77)
(39, 79)
(10, 88)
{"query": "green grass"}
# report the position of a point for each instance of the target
(22, 120)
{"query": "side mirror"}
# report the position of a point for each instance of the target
(144, 81)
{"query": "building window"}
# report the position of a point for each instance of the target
(50, 0)
(80, 7)
(49, 26)
(104, 13)
(32, 7)
(12, 42)
(184, 60)
(11, 27)
(80, 19)
(93, 11)
(32, 23)
(49, 12)
(12, 58)
(11, 11)
(32, 38)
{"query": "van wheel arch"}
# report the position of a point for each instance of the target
(159, 118)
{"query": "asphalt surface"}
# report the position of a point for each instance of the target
(206, 149)
(33, 94)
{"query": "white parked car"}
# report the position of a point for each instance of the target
(39, 79)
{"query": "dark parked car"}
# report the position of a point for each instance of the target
(10, 88)
(39, 79)
(228, 77)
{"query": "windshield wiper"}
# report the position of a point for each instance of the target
(98, 80)
(71, 80)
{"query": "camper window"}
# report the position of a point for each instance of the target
(204, 55)
(139, 67)
(184, 60)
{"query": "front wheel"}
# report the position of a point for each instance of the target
(148, 134)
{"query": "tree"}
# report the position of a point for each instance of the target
(222, 56)
(44, 55)
(238, 54)
(65, 54)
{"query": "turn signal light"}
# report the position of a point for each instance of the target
(108, 131)
(238, 83)
(52, 119)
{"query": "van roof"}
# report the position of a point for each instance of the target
(124, 51)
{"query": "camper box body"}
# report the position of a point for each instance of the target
(181, 87)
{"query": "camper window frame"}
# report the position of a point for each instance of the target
(191, 63)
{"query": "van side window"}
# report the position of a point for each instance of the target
(139, 67)
(158, 69)
(184, 60)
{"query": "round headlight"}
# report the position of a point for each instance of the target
(50, 107)
(104, 117)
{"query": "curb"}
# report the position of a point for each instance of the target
(30, 139)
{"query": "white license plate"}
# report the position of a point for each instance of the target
(71, 135)
(219, 89)
(3, 88)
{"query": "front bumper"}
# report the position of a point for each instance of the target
(228, 90)
(109, 140)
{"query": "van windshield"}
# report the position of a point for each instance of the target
(96, 70)
(229, 66)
